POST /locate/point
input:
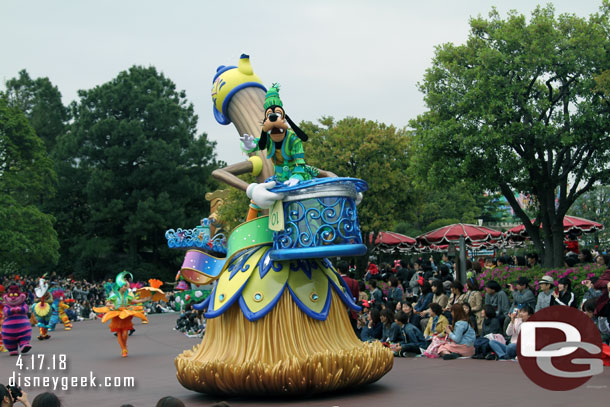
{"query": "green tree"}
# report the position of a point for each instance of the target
(436, 207)
(26, 178)
(138, 169)
(41, 102)
(368, 150)
(516, 109)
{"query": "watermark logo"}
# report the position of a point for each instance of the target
(559, 348)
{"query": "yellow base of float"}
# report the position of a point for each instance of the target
(285, 352)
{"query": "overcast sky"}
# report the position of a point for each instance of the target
(337, 58)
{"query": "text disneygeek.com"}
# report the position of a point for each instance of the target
(60, 362)
(70, 382)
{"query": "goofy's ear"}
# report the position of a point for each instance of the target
(262, 142)
(300, 133)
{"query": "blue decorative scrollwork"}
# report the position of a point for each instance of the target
(318, 222)
(198, 237)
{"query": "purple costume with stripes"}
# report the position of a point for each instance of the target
(16, 328)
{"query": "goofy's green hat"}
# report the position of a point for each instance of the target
(272, 98)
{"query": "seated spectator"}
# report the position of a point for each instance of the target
(457, 297)
(391, 305)
(545, 296)
(363, 295)
(503, 351)
(404, 273)
(425, 298)
(395, 293)
(602, 308)
(47, 399)
(519, 261)
(170, 402)
(372, 272)
(475, 299)
(374, 329)
(428, 269)
(564, 295)
(532, 260)
(390, 330)
(444, 273)
(438, 296)
(522, 294)
(496, 297)
(585, 256)
(592, 292)
(470, 317)
(376, 293)
(407, 308)
(600, 322)
(437, 322)
(489, 328)
(414, 283)
(461, 334)
(411, 338)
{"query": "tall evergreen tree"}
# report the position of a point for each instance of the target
(26, 179)
(138, 168)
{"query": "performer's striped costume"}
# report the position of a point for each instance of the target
(16, 328)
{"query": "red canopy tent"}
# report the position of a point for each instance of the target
(571, 224)
(391, 241)
(473, 235)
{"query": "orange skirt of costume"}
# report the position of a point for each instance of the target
(120, 319)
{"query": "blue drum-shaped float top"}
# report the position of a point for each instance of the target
(320, 219)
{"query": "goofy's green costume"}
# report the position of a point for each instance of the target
(287, 155)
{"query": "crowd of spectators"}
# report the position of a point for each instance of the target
(420, 308)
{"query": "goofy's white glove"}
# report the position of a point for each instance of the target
(247, 143)
(261, 195)
(358, 198)
(292, 182)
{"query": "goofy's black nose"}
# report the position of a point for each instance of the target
(273, 117)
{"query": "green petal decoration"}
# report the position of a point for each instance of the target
(230, 284)
(312, 295)
(262, 293)
(331, 273)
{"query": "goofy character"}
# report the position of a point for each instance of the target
(284, 147)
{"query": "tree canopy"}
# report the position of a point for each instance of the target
(517, 108)
(41, 102)
(26, 179)
(133, 167)
(372, 151)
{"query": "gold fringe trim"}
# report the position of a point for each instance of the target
(285, 352)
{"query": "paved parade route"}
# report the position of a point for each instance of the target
(92, 351)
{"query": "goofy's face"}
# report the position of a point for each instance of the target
(275, 124)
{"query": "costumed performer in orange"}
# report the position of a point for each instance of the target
(120, 310)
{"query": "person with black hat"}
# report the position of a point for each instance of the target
(522, 295)
(545, 296)
(564, 295)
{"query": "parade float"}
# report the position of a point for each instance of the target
(278, 312)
